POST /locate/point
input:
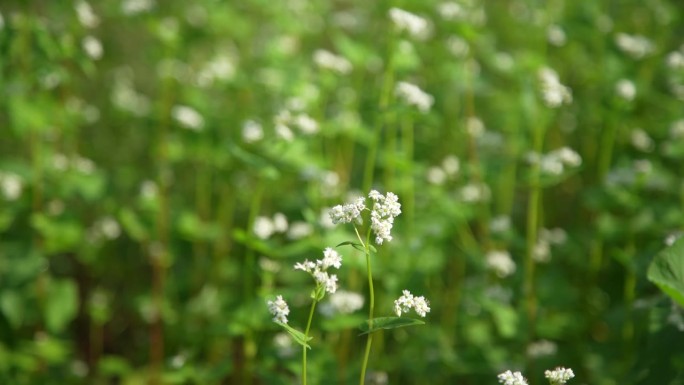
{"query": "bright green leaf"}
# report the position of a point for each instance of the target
(667, 271)
(388, 323)
(298, 336)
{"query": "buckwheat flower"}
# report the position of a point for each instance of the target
(263, 227)
(299, 230)
(421, 306)
(554, 93)
(413, 95)
(284, 132)
(11, 186)
(551, 165)
(677, 130)
(675, 60)
(457, 46)
(568, 156)
(500, 262)
(279, 309)
(188, 117)
(626, 89)
(474, 127)
(541, 252)
(283, 344)
(500, 224)
(134, 7)
(510, 378)
(636, 46)
(328, 60)
(436, 176)
(415, 25)
(672, 238)
(349, 212)
(404, 303)
(83, 165)
(542, 348)
(306, 124)
(252, 131)
(329, 282)
(385, 209)
(559, 375)
(555, 35)
(331, 258)
(93, 47)
(474, 193)
(307, 266)
(641, 140)
(85, 14)
(555, 236)
(450, 10)
(280, 223)
(346, 302)
(451, 165)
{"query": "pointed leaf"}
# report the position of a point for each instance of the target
(355, 245)
(298, 336)
(667, 271)
(388, 323)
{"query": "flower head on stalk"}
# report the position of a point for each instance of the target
(331, 258)
(385, 209)
(349, 212)
(509, 378)
(559, 375)
(407, 302)
(279, 309)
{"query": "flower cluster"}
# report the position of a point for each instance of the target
(559, 375)
(500, 262)
(555, 162)
(412, 94)
(349, 212)
(407, 302)
(279, 309)
(385, 209)
(328, 60)
(554, 93)
(415, 25)
(510, 378)
(331, 258)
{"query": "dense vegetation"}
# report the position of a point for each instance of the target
(164, 164)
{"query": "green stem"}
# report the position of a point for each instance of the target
(306, 334)
(371, 306)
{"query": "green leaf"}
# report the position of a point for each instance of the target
(62, 304)
(667, 271)
(355, 245)
(298, 336)
(388, 323)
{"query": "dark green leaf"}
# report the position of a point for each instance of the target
(667, 271)
(387, 323)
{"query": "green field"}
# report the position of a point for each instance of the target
(165, 165)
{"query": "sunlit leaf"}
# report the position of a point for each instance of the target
(388, 323)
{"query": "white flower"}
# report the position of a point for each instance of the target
(554, 93)
(451, 165)
(509, 378)
(500, 262)
(188, 117)
(346, 302)
(436, 176)
(450, 10)
(407, 302)
(413, 95)
(348, 212)
(263, 227)
(252, 131)
(555, 35)
(415, 25)
(542, 251)
(306, 124)
(474, 193)
(328, 60)
(559, 375)
(331, 258)
(133, 7)
(318, 269)
(542, 348)
(93, 47)
(641, 141)
(108, 227)
(280, 223)
(85, 14)
(385, 209)
(279, 309)
(636, 46)
(474, 127)
(677, 130)
(307, 266)
(11, 186)
(626, 89)
(500, 224)
(675, 60)
(458, 46)
(299, 230)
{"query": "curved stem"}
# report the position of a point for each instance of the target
(371, 306)
(306, 335)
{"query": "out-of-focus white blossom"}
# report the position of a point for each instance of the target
(188, 117)
(457, 46)
(559, 376)
(677, 130)
(541, 252)
(279, 309)
(415, 25)
(641, 140)
(474, 193)
(85, 14)
(542, 348)
(407, 302)
(450, 10)
(554, 93)
(92, 47)
(510, 378)
(474, 127)
(636, 46)
(500, 262)
(675, 59)
(328, 60)
(220, 68)
(413, 95)
(451, 165)
(134, 7)
(500, 224)
(149, 190)
(252, 131)
(555, 35)
(263, 227)
(436, 176)
(299, 230)
(626, 89)
(11, 185)
(343, 302)
(283, 344)
(280, 223)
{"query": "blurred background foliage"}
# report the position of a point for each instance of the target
(163, 164)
